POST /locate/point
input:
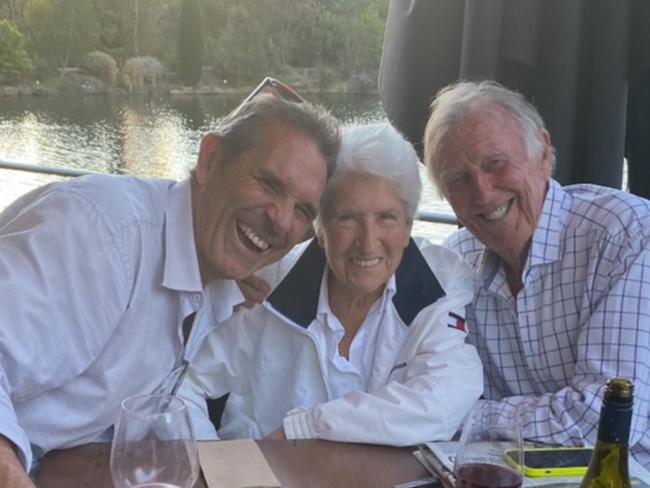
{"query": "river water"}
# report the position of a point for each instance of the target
(147, 135)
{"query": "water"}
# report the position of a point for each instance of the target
(147, 136)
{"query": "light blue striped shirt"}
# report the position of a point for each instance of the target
(582, 316)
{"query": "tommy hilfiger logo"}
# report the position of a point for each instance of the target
(455, 321)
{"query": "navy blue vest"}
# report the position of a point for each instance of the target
(296, 297)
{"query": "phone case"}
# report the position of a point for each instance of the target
(546, 471)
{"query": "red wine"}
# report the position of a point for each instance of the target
(481, 475)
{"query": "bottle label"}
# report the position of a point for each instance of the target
(614, 426)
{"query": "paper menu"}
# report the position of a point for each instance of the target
(235, 464)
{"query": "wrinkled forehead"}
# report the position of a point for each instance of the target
(357, 188)
(482, 133)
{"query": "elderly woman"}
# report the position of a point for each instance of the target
(363, 339)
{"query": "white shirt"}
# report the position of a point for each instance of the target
(96, 276)
(353, 373)
(583, 316)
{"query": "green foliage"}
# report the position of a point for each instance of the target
(258, 37)
(351, 36)
(12, 10)
(293, 27)
(242, 40)
(61, 31)
(14, 61)
(245, 50)
(190, 43)
(131, 28)
(101, 65)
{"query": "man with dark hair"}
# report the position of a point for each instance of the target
(101, 276)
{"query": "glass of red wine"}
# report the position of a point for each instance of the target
(154, 444)
(480, 461)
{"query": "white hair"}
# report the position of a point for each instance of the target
(453, 102)
(381, 151)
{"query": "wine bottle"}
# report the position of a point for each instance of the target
(609, 463)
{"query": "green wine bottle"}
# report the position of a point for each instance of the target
(609, 464)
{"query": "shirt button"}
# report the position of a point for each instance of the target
(196, 298)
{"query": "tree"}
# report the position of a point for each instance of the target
(12, 9)
(247, 49)
(14, 61)
(130, 28)
(61, 31)
(351, 36)
(190, 43)
(293, 30)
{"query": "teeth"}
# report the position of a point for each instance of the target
(498, 213)
(366, 263)
(254, 238)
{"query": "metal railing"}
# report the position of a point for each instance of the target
(37, 168)
(424, 215)
(436, 217)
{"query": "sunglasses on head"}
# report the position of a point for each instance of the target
(277, 88)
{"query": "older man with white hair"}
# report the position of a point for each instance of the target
(564, 272)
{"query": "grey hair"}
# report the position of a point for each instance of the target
(453, 102)
(381, 151)
(244, 127)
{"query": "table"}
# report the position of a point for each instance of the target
(296, 463)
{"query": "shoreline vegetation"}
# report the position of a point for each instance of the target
(188, 47)
(76, 81)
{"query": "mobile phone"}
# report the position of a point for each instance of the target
(551, 461)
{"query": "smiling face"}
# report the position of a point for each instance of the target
(364, 234)
(495, 188)
(251, 211)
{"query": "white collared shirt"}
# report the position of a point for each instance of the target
(96, 276)
(346, 375)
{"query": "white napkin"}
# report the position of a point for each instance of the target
(235, 464)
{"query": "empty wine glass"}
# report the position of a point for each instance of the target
(154, 444)
(491, 451)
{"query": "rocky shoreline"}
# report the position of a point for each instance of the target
(75, 81)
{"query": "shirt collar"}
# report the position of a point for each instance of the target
(324, 302)
(545, 246)
(181, 262)
(412, 287)
(224, 296)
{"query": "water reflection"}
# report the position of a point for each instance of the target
(145, 136)
(148, 136)
(155, 142)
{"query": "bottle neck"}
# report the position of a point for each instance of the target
(614, 426)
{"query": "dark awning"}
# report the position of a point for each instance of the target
(584, 63)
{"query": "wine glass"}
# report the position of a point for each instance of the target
(491, 451)
(154, 444)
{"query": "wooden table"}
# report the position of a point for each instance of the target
(297, 464)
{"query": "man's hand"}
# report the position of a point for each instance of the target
(12, 473)
(277, 434)
(254, 290)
